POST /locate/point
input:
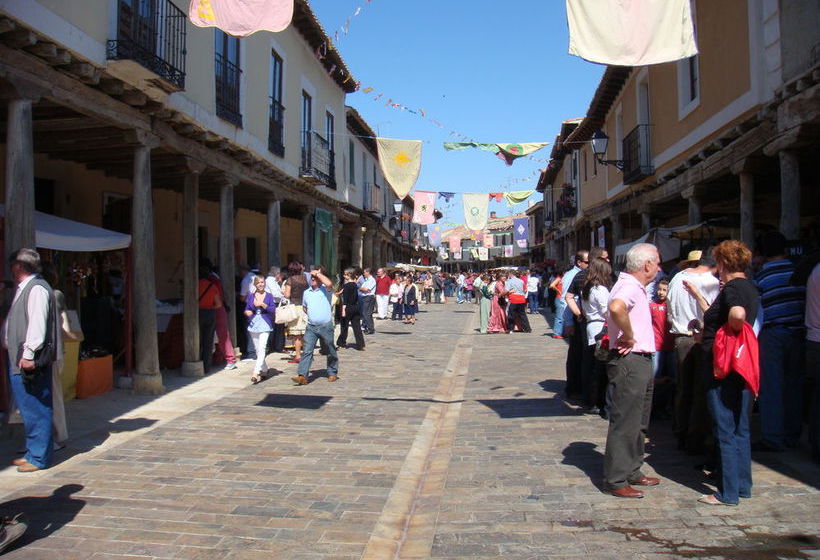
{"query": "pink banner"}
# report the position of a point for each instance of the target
(241, 17)
(488, 240)
(424, 204)
(455, 244)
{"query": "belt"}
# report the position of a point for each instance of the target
(644, 354)
(680, 334)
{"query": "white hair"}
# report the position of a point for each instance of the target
(639, 255)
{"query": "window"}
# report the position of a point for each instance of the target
(584, 156)
(276, 132)
(307, 125)
(689, 77)
(227, 77)
(330, 130)
(276, 72)
(352, 171)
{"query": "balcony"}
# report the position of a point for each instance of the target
(318, 167)
(566, 207)
(228, 76)
(637, 155)
(276, 129)
(371, 195)
(150, 33)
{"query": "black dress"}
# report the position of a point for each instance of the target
(350, 315)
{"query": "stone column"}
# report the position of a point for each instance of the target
(147, 379)
(747, 208)
(192, 366)
(693, 195)
(356, 255)
(337, 235)
(19, 176)
(227, 256)
(646, 218)
(617, 230)
(367, 248)
(789, 194)
(274, 237)
(308, 238)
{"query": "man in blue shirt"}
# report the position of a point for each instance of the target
(316, 301)
(367, 300)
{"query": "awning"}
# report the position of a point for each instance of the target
(62, 234)
(668, 247)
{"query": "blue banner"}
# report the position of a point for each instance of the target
(521, 232)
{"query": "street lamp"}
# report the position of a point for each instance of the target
(599, 144)
(397, 207)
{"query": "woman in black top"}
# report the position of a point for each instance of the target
(349, 303)
(729, 399)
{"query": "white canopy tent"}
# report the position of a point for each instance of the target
(62, 234)
(661, 238)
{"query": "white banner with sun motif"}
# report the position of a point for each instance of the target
(475, 210)
(400, 161)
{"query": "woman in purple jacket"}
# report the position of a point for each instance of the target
(260, 309)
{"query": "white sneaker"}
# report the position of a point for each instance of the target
(231, 366)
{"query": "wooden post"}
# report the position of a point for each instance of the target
(19, 177)
(308, 239)
(227, 258)
(368, 249)
(789, 194)
(147, 379)
(192, 366)
(747, 208)
(274, 234)
(693, 195)
(356, 256)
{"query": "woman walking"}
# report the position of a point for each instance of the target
(292, 290)
(730, 394)
(485, 302)
(396, 293)
(498, 307)
(260, 309)
(350, 315)
(410, 300)
(594, 302)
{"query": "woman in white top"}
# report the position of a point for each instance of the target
(594, 303)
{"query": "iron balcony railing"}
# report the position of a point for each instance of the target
(152, 33)
(228, 77)
(276, 129)
(317, 160)
(637, 155)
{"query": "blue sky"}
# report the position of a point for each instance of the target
(491, 71)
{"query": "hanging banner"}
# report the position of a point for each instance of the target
(497, 196)
(447, 196)
(474, 252)
(507, 152)
(400, 161)
(434, 235)
(424, 204)
(488, 240)
(241, 17)
(475, 210)
(601, 236)
(442, 253)
(521, 232)
(517, 197)
(508, 250)
(483, 254)
(455, 244)
(632, 32)
(457, 256)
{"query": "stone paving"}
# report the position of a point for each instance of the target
(436, 442)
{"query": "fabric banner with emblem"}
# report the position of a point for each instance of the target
(631, 32)
(400, 161)
(241, 17)
(508, 250)
(483, 254)
(455, 243)
(511, 152)
(475, 210)
(474, 252)
(442, 253)
(434, 234)
(457, 256)
(517, 197)
(488, 240)
(521, 232)
(424, 204)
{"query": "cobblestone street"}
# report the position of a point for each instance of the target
(436, 442)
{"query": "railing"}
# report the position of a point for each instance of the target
(317, 160)
(637, 155)
(276, 129)
(228, 77)
(152, 33)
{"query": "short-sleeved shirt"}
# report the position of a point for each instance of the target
(739, 292)
(383, 285)
(595, 310)
(783, 304)
(532, 283)
(298, 285)
(317, 305)
(630, 291)
(370, 284)
(681, 306)
(663, 338)
(813, 305)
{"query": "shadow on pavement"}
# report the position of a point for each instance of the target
(528, 408)
(45, 514)
(585, 456)
(288, 400)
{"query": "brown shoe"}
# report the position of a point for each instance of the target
(27, 467)
(19, 461)
(300, 380)
(626, 492)
(332, 378)
(646, 481)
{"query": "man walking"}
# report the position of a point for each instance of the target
(629, 369)
(516, 312)
(30, 337)
(367, 300)
(383, 282)
(438, 287)
(316, 301)
(533, 287)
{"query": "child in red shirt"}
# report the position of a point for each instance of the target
(663, 361)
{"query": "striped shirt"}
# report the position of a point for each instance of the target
(783, 305)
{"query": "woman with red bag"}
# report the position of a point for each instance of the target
(731, 393)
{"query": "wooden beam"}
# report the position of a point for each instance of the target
(20, 38)
(134, 97)
(7, 25)
(111, 86)
(43, 50)
(87, 73)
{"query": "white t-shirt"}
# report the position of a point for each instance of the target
(246, 286)
(532, 284)
(681, 306)
(273, 287)
(596, 311)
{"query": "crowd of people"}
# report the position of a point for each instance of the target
(701, 344)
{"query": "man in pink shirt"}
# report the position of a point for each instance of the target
(629, 369)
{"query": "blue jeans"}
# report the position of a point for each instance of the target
(460, 294)
(813, 366)
(532, 298)
(663, 364)
(35, 404)
(781, 385)
(729, 403)
(314, 333)
(558, 324)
